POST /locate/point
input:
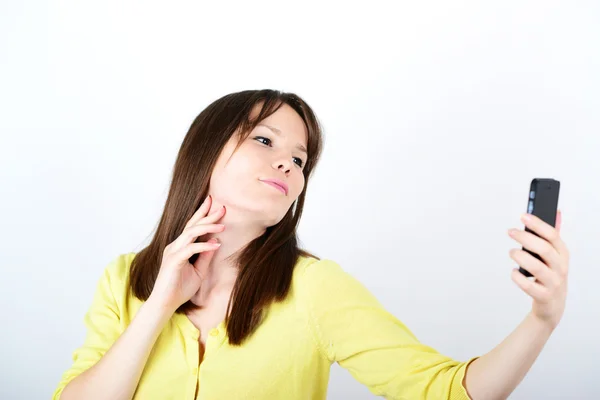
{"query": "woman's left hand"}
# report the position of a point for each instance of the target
(549, 289)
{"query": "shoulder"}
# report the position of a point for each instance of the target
(325, 284)
(321, 275)
(117, 270)
(311, 268)
(115, 276)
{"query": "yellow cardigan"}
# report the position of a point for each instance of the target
(327, 317)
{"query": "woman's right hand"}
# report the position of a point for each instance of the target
(178, 280)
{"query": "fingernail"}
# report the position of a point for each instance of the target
(526, 217)
(512, 232)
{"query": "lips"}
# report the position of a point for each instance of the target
(277, 184)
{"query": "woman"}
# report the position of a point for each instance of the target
(223, 304)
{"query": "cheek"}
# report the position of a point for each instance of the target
(236, 177)
(238, 168)
(242, 164)
(298, 184)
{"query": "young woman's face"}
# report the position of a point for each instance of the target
(264, 175)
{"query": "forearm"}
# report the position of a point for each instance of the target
(496, 374)
(117, 374)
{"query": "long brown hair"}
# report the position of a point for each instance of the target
(266, 264)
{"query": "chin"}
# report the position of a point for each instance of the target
(274, 221)
(268, 217)
(267, 209)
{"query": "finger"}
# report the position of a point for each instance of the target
(539, 246)
(201, 212)
(533, 289)
(193, 232)
(538, 269)
(546, 231)
(558, 220)
(194, 248)
(204, 259)
(213, 217)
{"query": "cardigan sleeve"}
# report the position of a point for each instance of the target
(102, 322)
(353, 329)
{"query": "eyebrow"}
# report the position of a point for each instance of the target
(278, 132)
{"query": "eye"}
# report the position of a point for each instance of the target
(268, 142)
(263, 140)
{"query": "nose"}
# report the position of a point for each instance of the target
(283, 164)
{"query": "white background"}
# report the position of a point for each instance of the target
(436, 114)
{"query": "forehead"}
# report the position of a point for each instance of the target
(286, 121)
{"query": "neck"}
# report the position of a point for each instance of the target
(240, 229)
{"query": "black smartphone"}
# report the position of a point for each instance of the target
(543, 203)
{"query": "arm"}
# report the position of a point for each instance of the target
(123, 363)
(353, 329)
(496, 374)
(111, 353)
(110, 363)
